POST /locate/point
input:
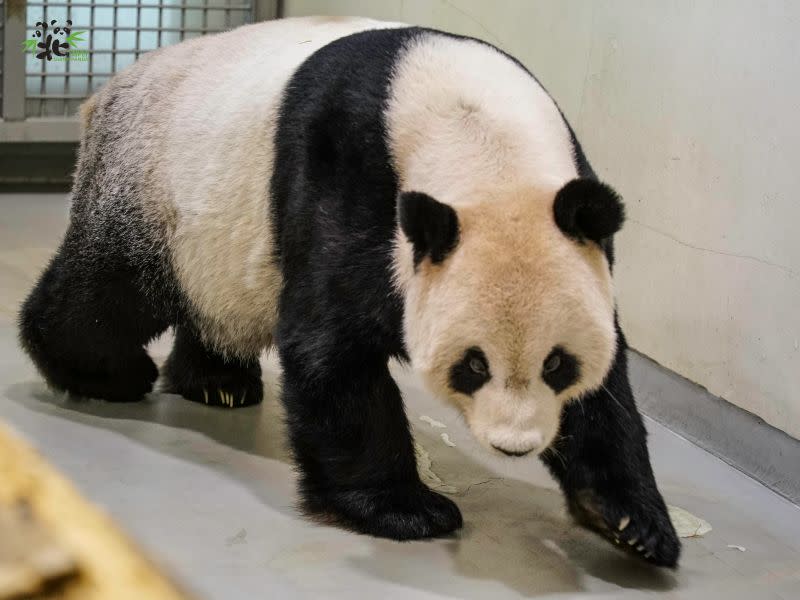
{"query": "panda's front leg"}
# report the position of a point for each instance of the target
(601, 462)
(351, 440)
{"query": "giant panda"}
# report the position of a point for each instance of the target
(350, 191)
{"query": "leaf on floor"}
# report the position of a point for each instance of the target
(686, 524)
(424, 465)
(432, 422)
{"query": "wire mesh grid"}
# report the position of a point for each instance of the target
(115, 34)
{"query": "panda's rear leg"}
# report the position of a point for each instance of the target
(85, 326)
(203, 375)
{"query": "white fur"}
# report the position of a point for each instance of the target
(226, 264)
(465, 121)
(211, 159)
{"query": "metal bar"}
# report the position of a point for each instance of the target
(176, 29)
(110, 51)
(160, 22)
(46, 96)
(138, 30)
(42, 88)
(14, 64)
(205, 14)
(242, 7)
(67, 65)
(90, 82)
(74, 74)
(113, 38)
(183, 23)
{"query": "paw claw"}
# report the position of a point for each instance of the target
(641, 521)
(232, 394)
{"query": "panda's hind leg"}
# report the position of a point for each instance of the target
(85, 325)
(201, 374)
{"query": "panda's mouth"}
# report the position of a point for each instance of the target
(513, 452)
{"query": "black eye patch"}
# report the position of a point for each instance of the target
(560, 369)
(470, 373)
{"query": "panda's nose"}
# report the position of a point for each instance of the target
(512, 452)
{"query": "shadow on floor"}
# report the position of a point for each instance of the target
(516, 534)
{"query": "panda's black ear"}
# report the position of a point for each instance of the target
(588, 209)
(432, 227)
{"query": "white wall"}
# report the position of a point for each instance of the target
(692, 110)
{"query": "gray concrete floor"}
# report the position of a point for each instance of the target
(209, 493)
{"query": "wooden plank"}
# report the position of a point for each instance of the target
(108, 565)
(31, 559)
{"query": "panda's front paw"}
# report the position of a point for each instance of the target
(638, 523)
(399, 513)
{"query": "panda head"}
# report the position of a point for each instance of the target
(509, 308)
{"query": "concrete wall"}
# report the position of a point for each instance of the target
(690, 108)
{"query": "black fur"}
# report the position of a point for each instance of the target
(84, 327)
(431, 227)
(202, 375)
(567, 373)
(340, 319)
(588, 209)
(463, 378)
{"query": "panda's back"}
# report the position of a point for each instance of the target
(185, 138)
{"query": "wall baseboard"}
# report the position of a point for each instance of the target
(736, 436)
(36, 166)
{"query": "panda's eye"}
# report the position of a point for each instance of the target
(470, 372)
(478, 365)
(560, 369)
(552, 363)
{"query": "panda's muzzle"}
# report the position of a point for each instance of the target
(512, 442)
